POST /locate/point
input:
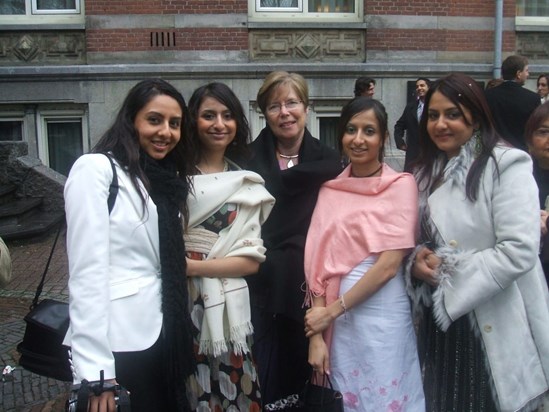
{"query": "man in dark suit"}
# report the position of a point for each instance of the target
(409, 122)
(510, 103)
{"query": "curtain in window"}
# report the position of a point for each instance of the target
(279, 3)
(332, 6)
(537, 8)
(328, 131)
(12, 6)
(11, 130)
(56, 4)
(64, 144)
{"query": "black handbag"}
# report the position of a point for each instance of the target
(42, 350)
(320, 398)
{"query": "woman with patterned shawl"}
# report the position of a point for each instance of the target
(363, 226)
(223, 238)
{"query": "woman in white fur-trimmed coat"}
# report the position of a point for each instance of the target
(475, 278)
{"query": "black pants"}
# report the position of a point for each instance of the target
(281, 351)
(143, 374)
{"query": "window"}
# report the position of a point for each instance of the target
(11, 130)
(17, 12)
(62, 138)
(532, 15)
(332, 10)
(537, 8)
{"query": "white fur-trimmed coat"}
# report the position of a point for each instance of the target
(491, 272)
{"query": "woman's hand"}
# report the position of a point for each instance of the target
(317, 319)
(104, 402)
(544, 215)
(319, 358)
(425, 266)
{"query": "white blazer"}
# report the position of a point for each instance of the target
(114, 268)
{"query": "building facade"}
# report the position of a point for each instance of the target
(66, 65)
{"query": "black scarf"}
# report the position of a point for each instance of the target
(168, 192)
(284, 232)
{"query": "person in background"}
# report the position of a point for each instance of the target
(223, 242)
(365, 86)
(475, 279)
(512, 104)
(353, 266)
(409, 123)
(537, 139)
(127, 282)
(543, 87)
(294, 165)
(493, 83)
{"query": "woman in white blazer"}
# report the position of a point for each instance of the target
(127, 267)
(475, 275)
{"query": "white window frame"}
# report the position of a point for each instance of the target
(44, 116)
(256, 13)
(44, 17)
(531, 22)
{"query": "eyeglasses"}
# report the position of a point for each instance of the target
(542, 133)
(289, 105)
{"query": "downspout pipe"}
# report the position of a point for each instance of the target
(498, 39)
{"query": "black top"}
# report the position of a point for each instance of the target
(408, 123)
(278, 285)
(511, 106)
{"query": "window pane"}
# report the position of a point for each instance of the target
(56, 4)
(328, 131)
(331, 6)
(538, 8)
(64, 144)
(11, 130)
(12, 6)
(279, 3)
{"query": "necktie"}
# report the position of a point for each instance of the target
(419, 110)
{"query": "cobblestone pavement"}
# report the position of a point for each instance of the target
(23, 391)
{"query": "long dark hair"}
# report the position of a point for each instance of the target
(465, 93)
(535, 120)
(122, 139)
(358, 105)
(238, 150)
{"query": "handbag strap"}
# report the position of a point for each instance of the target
(113, 192)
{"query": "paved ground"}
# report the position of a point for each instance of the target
(23, 391)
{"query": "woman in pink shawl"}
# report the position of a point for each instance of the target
(359, 326)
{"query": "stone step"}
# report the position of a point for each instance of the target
(33, 225)
(19, 206)
(7, 193)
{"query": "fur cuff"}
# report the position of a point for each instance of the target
(418, 291)
(450, 260)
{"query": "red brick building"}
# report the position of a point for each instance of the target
(65, 65)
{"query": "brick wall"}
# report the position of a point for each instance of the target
(432, 40)
(113, 7)
(437, 8)
(123, 40)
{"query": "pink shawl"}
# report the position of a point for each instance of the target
(354, 218)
